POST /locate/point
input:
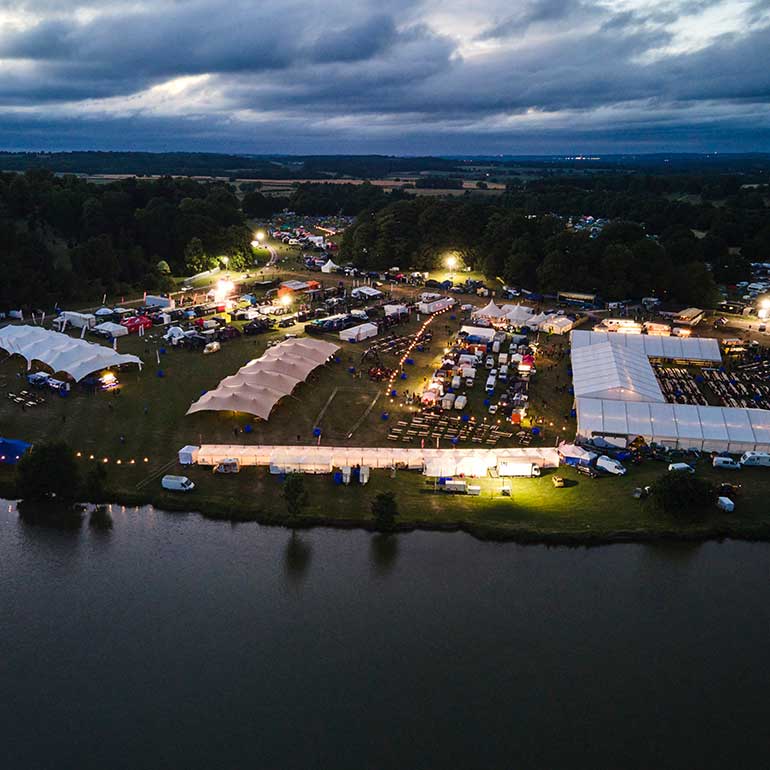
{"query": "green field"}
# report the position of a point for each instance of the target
(140, 428)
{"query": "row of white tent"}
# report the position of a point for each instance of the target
(682, 426)
(523, 315)
(696, 349)
(60, 352)
(322, 459)
(259, 385)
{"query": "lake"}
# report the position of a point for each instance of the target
(176, 642)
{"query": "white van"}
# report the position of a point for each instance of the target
(761, 459)
(681, 468)
(727, 463)
(456, 382)
(490, 362)
(504, 372)
(502, 359)
(177, 483)
(490, 383)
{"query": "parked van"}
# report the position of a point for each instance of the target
(490, 362)
(502, 359)
(490, 383)
(751, 459)
(177, 483)
(504, 372)
(727, 463)
(681, 468)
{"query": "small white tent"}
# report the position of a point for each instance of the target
(358, 333)
(490, 311)
(113, 330)
(329, 267)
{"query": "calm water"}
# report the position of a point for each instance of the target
(174, 642)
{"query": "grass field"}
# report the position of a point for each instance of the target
(146, 419)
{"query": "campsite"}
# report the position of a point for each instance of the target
(370, 388)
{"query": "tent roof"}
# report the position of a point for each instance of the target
(60, 352)
(259, 385)
(653, 346)
(614, 372)
(490, 311)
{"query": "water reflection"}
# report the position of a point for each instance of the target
(50, 515)
(672, 552)
(297, 557)
(384, 551)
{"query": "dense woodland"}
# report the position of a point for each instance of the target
(62, 239)
(649, 249)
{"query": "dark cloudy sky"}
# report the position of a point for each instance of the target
(401, 76)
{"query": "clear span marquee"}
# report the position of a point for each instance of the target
(697, 349)
(257, 387)
(60, 352)
(322, 459)
(682, 426)
(614, 372)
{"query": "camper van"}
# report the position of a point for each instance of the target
(177, 483)
(726, 463)
(760, 459)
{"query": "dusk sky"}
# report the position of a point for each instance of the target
(430, 77)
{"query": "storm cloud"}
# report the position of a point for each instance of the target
(436, 77)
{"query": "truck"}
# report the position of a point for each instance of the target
(758, 459)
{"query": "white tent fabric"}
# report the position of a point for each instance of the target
(612, 372)
(368, 292)
(490, 311)
(329, 267)
(103, 311)
(396, 309)
(576, 452)
(116, 330)
(259, 385)
(556, 324)
(534, 321)
(518, 315)
(360, 332)
(683, 426)
(60, 352)
(483, 332)
(653, 346)
(321, 459)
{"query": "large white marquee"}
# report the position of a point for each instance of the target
(60, 352)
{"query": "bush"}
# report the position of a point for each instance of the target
(385, 509)
(683, 494)
(49, 472)
(295, 494)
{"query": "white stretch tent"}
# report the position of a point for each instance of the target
(257, 387)
(321, 459)
(683, 426)
(614, 372)
(114, 330)
(358, 333)
(396, 310)
(61, 353)
(653, 346)
(329, 267)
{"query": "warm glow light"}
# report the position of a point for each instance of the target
(286, 300)
(260, 235)
(451, 262)
(223, 290)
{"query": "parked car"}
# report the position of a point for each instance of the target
(256, 327)
(587, 470)
(227, 333)
(681, 468)
(726, 463)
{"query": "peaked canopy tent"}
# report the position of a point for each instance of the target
(259, 385)
(534, 321)
(329, 267)
(682, 426)
(518, 315)
(489, 311)
(61, 353)
(114, 330)
(610, 372)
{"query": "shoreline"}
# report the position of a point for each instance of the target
(689, 532)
